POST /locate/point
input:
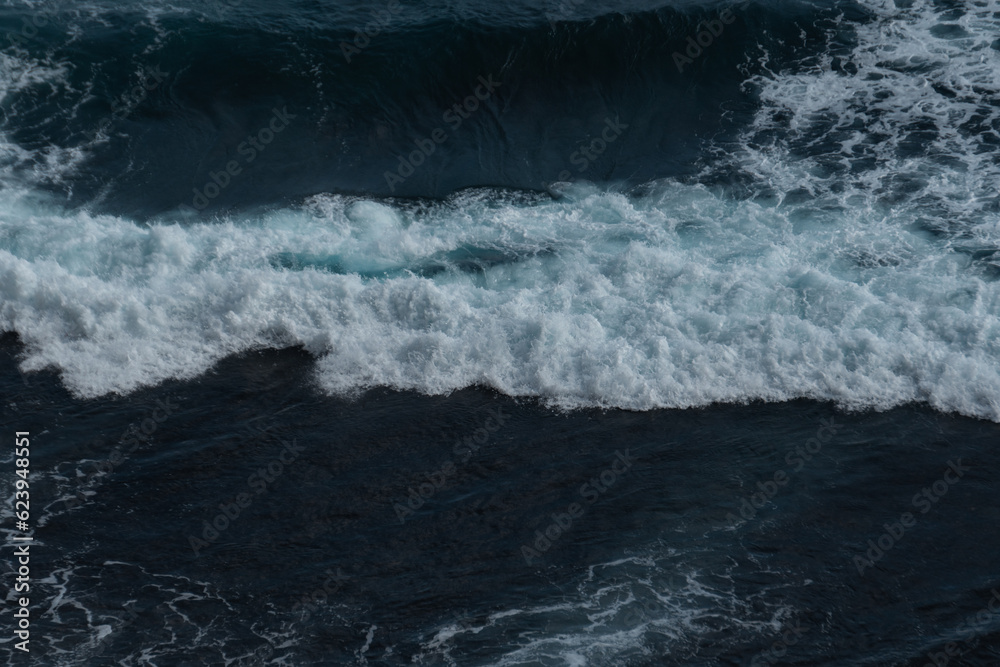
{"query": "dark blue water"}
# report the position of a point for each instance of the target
(568, 334)
(653, 571)
(207, 78)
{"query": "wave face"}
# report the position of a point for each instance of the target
(806, 209)
(115, 101)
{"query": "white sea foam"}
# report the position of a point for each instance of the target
(627, 611)
(909, 119)
(678, 299)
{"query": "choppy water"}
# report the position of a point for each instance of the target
(692, 554)
(573, 206)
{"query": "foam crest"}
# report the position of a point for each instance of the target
(906, 118)
(675, 299)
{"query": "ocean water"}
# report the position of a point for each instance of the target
(579, 333)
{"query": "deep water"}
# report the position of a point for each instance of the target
(654, 572)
